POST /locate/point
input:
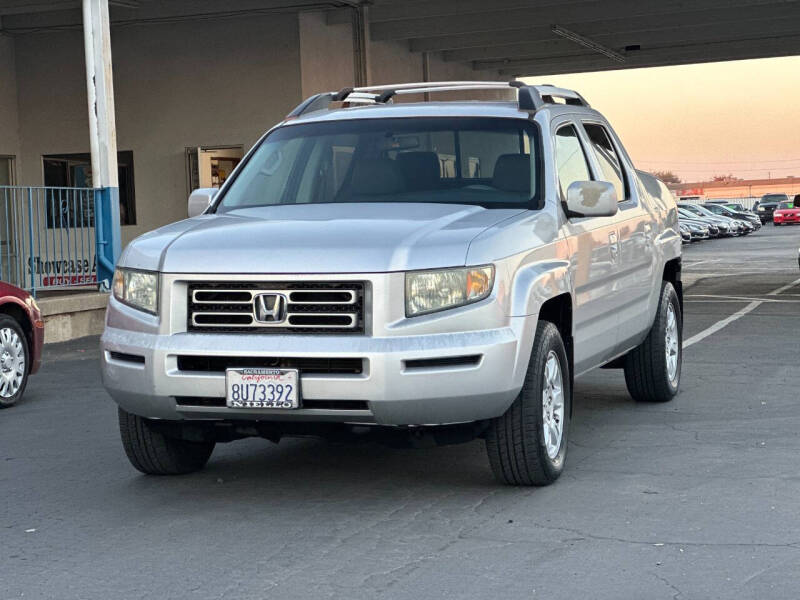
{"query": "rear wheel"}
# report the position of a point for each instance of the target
(528, 444)
(14, 361)
(653, 369)
(153, 453)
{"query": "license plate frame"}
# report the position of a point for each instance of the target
(262, 388)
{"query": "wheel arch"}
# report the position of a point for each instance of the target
(672, 273)
(17, 312)
(558, 311)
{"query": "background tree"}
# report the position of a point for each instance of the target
(666, 176)
(726, 178)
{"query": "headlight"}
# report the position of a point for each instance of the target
(138, 289)
(431, 291)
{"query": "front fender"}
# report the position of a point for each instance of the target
(536, 283)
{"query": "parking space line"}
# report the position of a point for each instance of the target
(739, 299)
(783, 288)
(736, 316)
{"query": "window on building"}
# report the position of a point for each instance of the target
(75, 170)
(607, 156)
(570, 160)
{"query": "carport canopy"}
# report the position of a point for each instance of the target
(531, 37)
(514, 37)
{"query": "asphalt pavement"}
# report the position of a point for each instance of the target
(697, 498)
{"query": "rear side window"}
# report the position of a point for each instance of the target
(570, 160)
(606, 155)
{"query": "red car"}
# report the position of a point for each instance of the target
(21, 338)
(786, 213)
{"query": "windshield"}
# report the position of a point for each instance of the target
(774, 198)
(784, 205)
(693, 209)
(702, 210)
(490, 162)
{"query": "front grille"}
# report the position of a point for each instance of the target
(306, 366)
(304, 307)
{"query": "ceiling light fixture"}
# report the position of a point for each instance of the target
(587, 43)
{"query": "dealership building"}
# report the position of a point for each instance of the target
(745, 189)
(195, 85)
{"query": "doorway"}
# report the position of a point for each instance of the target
(209, 167)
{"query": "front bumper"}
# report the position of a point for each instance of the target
(388, 390)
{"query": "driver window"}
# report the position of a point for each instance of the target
(571, 162)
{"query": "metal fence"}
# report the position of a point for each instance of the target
(47, 237)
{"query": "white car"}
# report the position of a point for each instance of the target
(427, 272)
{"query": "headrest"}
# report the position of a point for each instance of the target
(512, 173)
(420, 169)
(376, 176)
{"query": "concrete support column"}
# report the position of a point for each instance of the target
(102, 136)
(361, 45)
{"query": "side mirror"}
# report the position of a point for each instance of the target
(200, 199)
(591, 199)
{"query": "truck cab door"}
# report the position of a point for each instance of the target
(635, 223)
(594, 257)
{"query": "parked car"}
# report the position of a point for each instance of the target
(725, 210)
(733, 226)
(732, 205)
(699, 230)
(21, 338)
(768, 204)
(713, 228)
(415, 271)
(786, 214)
(686, 233)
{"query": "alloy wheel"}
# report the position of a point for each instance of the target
(12, 362)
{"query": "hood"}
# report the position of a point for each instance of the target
(316, 238)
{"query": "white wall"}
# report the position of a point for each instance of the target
(326, 54)
(9, 126)
(194, 83)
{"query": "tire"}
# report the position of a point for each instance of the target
(774, 224)
(647, 375)
(516, 441)
(154, 453)
(13, 349)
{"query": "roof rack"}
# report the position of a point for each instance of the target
(529, 97)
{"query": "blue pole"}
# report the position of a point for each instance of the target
(108, 235)
(30, 242)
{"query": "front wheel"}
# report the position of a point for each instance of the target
(154, 453)
(653, 368)
(528, 444)
(14, 361)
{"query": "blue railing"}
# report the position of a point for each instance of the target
(48, 237)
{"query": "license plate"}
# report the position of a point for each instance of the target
(262, 388)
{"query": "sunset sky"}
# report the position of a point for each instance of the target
(739, 117)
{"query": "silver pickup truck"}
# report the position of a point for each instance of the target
(407, 272)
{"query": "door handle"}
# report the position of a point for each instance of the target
(613, 245)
